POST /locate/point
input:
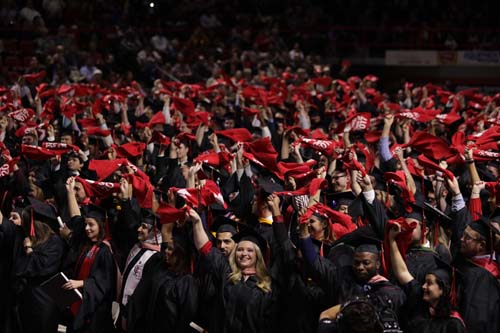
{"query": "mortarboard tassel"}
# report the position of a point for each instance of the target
(32, 224)
(383, 261)
(453, 291)
(424, 227)
(4, 196)
(491, 246)
(436, 233)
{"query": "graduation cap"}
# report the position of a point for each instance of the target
(369, 244)
(249, 234)
(181, 239)
(341, 198)
(222, 223)
(446, 273)
(74, 154)
(362, 239)
(42, 211)
(67, 132)
(268, 186)
(148, 217)
(483, 227)
(96, 213)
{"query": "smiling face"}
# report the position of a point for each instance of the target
(15, 218)
(246, 256)
(432, 290)
(142, 232)
(339, 181)
(92, 229)
(182, 151)
(316, 228)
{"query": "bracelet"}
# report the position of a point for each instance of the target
(469, 161)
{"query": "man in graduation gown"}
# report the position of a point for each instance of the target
(471, 246)
(419, 259)
(210, 315)
(480, 303)
(148, 245)
(343, 283)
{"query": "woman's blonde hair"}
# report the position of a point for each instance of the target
(263, 278)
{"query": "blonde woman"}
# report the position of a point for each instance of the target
(247, 293)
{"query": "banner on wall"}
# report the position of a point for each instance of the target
(442, 58)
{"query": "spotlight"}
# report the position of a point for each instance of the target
(152, 4)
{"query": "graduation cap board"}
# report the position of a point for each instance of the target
(96, 213)
(268, 186)
(447, 274)
(43, 211)
(148, 217)
(483, 227)
(362, 239)
(222, 223)
(249, 234)
(338, 199)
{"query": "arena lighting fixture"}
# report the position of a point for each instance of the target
(152, 4)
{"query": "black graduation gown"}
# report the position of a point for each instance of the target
(163, 301)
(420, 261)
(98, 292)
(480, 298)
(340, 285)
(246, 308)
(36, 310)
(8, 242)
(301, 300)
(419, 319)
(210, 316)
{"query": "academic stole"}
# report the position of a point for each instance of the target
(84, 272)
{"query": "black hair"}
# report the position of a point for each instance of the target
(444, 306)
(359, 317)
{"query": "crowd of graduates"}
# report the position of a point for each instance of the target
(279, 199)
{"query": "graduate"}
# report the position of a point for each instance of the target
(149, 240)
(94, 273)
(480, 303)
(360, 279)
(37, 253)
(430, 306)
(296, 285)
(246, 289)
(8, 245)
(166, 298)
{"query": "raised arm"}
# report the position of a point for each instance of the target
(73, 208)
(199, 235)
(409, 178)
(398, 264)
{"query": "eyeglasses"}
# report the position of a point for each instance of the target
(468, 237)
